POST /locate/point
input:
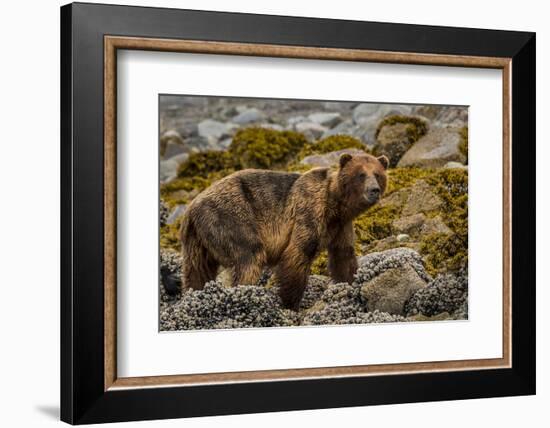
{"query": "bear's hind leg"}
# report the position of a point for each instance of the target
(198, 272)
(248, 272)
(199, 266)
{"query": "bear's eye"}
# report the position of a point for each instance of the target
(362, 176)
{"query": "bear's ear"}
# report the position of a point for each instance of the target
(344, 159)
(384, 161)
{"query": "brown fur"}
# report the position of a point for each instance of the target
(254, 218)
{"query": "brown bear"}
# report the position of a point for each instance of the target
(252, 219)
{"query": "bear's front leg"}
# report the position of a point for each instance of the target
(342, 262)
(292, 273)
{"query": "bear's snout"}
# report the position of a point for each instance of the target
(373, 194)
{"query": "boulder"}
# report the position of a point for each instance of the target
(394, 140)
(172, 149)
(176, 213)
(168, 170)
(173, 139)
(435, 225)
(367, 116)
(443, 116)
(311, 130)
(214, 130)
(455, 165)
(326, 119)
(435, 149)
(329, 159)
(389, 291)
(421, 198)
(409, 225)
(248, 116)
(274, 126)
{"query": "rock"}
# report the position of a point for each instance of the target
(396, 135)
(164, 212)
(225, 277)
(225, 143)
(181, 158)
(345, 127)
(367, 116)
(410, 224)
(443, 116)
(421, 198)
(446, 293)
(170, 137)
(435, 149)
(214, 130)
(403, 237)
(393, 141)
(376, 263)
(329, 120)
(389, 291)
(435, 225)
(455, 165)
(168, 170)
(294, 120)
(274, 126)
(328, 159)
(311, 130)
(248, 116)
(172, 149)
(176, 213)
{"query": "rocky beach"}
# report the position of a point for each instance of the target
(412, 246)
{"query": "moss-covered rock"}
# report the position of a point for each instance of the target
(202, 164)
(265, 148)
(331, 144)
(396, 134)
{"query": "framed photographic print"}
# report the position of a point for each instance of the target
(265, 213)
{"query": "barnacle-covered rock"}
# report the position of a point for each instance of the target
(446, 293)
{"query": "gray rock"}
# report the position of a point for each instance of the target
(328, 159)
(443, 116)
(403, 237)
(393, 141)
(326, 119)
(294, 120)
(435, 225)
(456, 165)
(410, 225)
(311, 130)
(446, 293)
(172, 149)
(248, 116)
(420, 198)
(435, 149)
(214, 130)
(168, 170)
(389, 291)
(368, 115)
(225, 143)
(274, 126)
(176, 213)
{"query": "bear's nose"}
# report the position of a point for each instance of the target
(374, 192)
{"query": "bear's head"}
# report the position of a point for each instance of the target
(361, 180)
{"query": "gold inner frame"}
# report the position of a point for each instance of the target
(113, 43)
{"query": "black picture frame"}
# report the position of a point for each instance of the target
(83, 398)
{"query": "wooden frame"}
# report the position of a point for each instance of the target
(513, 54)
